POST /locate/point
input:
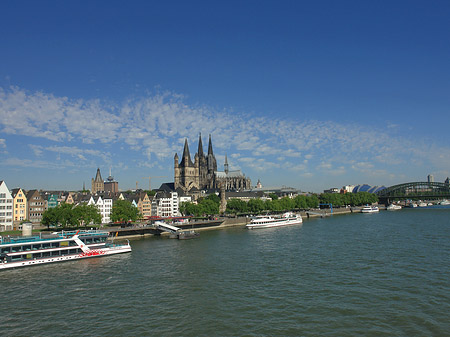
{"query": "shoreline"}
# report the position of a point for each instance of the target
(141, 232)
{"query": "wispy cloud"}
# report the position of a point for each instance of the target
(155, 126)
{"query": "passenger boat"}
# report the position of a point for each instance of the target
(369, 209)
(444, 203)
(393, 207)
(269, 221)
(56, 247)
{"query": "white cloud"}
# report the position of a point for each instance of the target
(154, 127)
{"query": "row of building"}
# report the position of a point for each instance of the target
(18, 205)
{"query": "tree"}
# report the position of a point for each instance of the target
(87, 214)
(50, 217)
(66, 215)
(124, 211)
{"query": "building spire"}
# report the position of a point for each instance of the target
(186, 160)
(98, 176)
(200, 146)
(226, 164)
(210, 149)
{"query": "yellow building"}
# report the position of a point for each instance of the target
(19, 206)
(145, 205)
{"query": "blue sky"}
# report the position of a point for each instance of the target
(310, 95)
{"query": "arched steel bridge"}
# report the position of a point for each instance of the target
(415, 190)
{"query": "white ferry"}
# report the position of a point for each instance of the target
(369, 209)
(56, 247)
(266, 221)
(393, 207)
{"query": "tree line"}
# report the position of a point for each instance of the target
(210, 205)
(69, 215)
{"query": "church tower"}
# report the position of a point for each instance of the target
(211, 164)
(186, 172)
(97, 183)
(202, 165)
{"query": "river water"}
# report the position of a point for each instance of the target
(384, 274)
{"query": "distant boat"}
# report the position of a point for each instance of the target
(393, 207)
(422, 204)
(444, 203)
(267, 221)
(412, 205)
(369, 209)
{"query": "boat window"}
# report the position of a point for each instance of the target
(27, 247)
(6, 250)
(72, 243)
(55, 253)
(55, 244)
(37, 255)
(46, 245)
(28, 256)
(16, 249)
(35, 247)
(16, 258)
(45, 254)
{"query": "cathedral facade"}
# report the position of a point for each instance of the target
(202, 174)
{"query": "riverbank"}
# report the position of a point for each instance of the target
(221, 223)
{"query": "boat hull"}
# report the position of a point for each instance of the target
(52, 259)
(288, 222)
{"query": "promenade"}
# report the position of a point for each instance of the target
(219, 223)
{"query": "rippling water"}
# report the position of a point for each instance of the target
(379, 274)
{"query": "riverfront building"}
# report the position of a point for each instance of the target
(19, 206)
(6, 208)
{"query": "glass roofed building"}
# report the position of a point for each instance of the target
(367, 188)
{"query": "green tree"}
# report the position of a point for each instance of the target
(236, 206)
(124, 211)
(66, 215)
(273, 196)
(255, 205)
(50, 217)
(87, 214)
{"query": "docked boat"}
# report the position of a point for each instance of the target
(56, 247)
(422, 204)
(267, 221)
(369, 209)
(444, 203)
(187, 234)
(393, 207)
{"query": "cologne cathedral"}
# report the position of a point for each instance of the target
(202, 174)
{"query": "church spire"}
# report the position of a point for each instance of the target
(186, 160)
(226, 165)
(210, 149)
(200, 146)
(98, 176)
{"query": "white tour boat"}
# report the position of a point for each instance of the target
(369, 209)
(444, 203)
(56, 247)
(266, 221)
(393, 207)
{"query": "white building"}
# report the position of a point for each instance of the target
(104, 206)
(6, 208)
(165, 204)
(348, 188)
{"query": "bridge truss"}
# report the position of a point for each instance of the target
(415, 190)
